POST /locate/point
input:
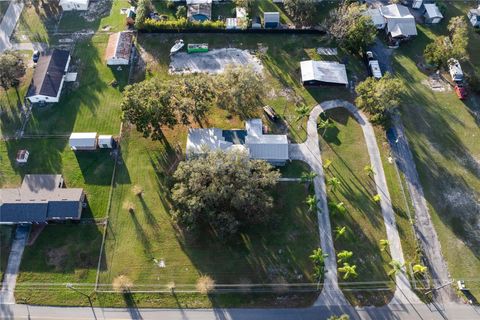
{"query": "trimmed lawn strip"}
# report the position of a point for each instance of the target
(294, 169)
(345, 146)
(92, 106)
(91, 170)
(277, 253)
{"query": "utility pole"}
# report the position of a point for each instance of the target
(71, 287)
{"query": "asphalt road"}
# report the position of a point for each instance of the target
(8, 23)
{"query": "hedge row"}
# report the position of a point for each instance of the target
(151, 25)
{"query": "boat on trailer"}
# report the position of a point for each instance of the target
(177, 46)
(197, 47)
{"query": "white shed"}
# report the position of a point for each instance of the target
(323, 72)
(432, 13)
(119, 48)
(72, 5)
(271, 19)
(105, 141)
(83, 141)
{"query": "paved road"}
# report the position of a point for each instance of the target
(423, 224)
(407, 312)
(8, 23)
(14, 259)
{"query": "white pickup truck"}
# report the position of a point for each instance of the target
(455, 70)
(373, 65)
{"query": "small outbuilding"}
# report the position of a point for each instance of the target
(271, 20)
(74, 5)
(323, 73)
(105, 141)
(432, 13)
(256, 22)
(119, 48)
(22, 156)
(48, 77)
(199, 10)
(474, 17)
(83, 141)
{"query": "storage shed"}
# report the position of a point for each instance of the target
(256, 22)
(105, 141)
(83, 141)
(474, 17)
(323, 72)
(432, 13)
(119, 48)
(271, 20)
(72, 5)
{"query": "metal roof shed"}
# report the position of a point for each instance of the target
(432, 13)
(83, 141)
(271, 19)
(323, 72)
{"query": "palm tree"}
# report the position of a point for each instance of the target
(333, 182)
(344, 255)
(369, 170)
(337, 207)
(302, 112)
(307, 177)
(397, 267)
(340, 232)
(348, 270)
(384, 244)
(327, 164)
(312, 202)
(418, 268)
(325, 125)
(318, 259)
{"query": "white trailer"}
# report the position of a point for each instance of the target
(83, 141)
(374, 66)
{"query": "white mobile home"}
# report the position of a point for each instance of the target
(323, 73)
(72, 5)
(83, 141)
(48, 77)
(119, 48)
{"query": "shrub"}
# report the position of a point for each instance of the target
(170, 4)
(151, 25)
(205, 284)
(181, 12)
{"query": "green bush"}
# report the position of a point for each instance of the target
(151, 25)
(181, 12)
(170, 4)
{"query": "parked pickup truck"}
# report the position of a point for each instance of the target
(455, 70)
(373, 65)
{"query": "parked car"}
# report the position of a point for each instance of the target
(36, 56)
(455, 70)
(460, 91)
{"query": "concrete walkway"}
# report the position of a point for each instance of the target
(424, 228)
(8, 23)
(309, 152)
(10, 276)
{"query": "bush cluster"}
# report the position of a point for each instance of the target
(151, 25)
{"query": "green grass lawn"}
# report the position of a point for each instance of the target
(89, 170)
(263, 254)
(443, 134)
(37, 22)
(92, 106)
(345, 147)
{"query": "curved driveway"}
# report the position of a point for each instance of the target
(309, 152)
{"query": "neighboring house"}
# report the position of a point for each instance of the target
(269, 147)
(72, 5)
(397, 21)
(432, 13)
(474, 17)
(41, 198)
(271, 20)
(323, 73)
(48, 77)
(199, 10)
(119, 48)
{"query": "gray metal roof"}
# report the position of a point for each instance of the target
(49, 73)
(40, 198)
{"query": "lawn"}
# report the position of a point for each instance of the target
(281, 56)
(89, 170)
(37, 22)
(276, 253)
(345, 147)
(443, 134)
(90, 104)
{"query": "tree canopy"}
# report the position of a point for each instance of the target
(11, 69)
(350, 27)
(377, 97)
(455, 45)
(153, 104)
(240, 91)
(143, 11)
(302, 12)
(224, 191)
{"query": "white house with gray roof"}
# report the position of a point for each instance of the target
(399, 23)
(40, 198)
(270, 147)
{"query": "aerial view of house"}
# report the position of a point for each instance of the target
(239, 159)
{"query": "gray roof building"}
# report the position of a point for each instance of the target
(40, 198)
